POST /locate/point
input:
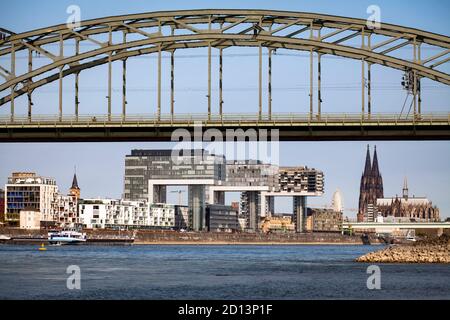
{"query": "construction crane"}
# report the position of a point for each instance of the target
(180, 196)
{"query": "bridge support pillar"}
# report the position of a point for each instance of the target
(269, 205)
(159, 194)
(369, 91)
(311, 74)
(109, 75)
(197, 207)
(124, 82)
(260, 82)
(311, 82)
(269, 85)
(209, 80)
(158, 112)
(252, 207)
(300, 213)
(219, 197)
(319, 83)
(30, 69)
(221, 82)
(419, 98)
(363, 88)
(77, 78)
(13, 72)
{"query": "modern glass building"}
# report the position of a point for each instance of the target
(144, 165)
(209, 177)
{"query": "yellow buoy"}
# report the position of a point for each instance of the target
(42, 248)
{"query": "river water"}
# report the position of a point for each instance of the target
(212, 272)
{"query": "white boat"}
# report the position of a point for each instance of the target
(411, 236)
(66, 237)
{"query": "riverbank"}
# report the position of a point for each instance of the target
(224, 243)
(159, 237)
(426, 251)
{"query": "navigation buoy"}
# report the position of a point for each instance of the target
(42, 248)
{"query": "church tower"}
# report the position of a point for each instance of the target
(405, 189)
(74, 189)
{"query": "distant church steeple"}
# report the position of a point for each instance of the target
(75, 189)
(405, 189)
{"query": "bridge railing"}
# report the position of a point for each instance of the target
(306, 118)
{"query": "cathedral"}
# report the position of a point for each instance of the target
(371, 188)
(373, 204)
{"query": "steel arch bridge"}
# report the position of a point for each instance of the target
(157, 32)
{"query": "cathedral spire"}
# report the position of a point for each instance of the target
(375, 168)
(368, 167)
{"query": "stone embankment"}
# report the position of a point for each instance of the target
(425, 251)
(172, 237)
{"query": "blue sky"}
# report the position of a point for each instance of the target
(100, 166)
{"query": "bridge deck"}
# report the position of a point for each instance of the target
(291, 126)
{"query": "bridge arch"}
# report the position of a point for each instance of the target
(218, 29)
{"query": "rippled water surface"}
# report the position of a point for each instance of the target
(211, 272)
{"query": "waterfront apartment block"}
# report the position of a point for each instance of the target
(299, 179)
(111, 213)
(221, 218)
(162, 215)
(324, 220)
(25, 191)
(65, 210)
(114, 213)
(208, 177)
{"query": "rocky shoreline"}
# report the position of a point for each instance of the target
(426, 251)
